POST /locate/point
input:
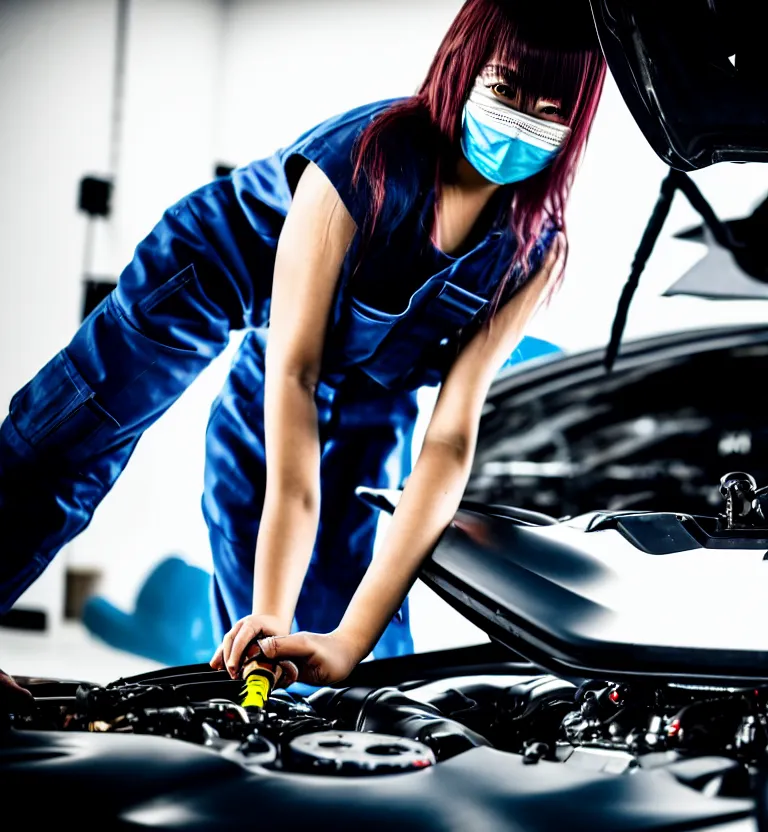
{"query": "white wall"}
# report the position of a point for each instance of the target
(291, 63)
(172, 70)
(55, 77)
(56, 67)
(230, 81)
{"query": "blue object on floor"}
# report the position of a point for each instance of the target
(530, 348)
(171, 622)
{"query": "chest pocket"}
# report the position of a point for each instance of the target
(389, 348)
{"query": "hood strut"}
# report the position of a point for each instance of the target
(675, 180)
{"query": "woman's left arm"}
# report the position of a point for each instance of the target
(430, 498)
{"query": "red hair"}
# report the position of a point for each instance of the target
(547, 65)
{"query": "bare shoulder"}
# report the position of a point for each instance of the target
(316, 197)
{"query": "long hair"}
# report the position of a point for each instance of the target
(547, 66)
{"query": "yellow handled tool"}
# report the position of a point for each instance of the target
(260, 676)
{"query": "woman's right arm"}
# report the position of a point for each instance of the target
(313, 243)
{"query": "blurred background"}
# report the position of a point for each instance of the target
(156, 96)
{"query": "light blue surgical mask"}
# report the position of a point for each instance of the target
(503, 144)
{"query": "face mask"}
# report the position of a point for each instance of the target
(503, 144)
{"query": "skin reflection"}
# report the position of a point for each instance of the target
(476, 529)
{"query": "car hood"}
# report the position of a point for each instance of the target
(691, 75)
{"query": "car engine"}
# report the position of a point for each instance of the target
(711, 739)
(591, 709)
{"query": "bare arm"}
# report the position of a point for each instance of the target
(312, 246)
(429, 501)
(310, 253)
(434, 489)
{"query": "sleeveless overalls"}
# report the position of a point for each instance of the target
(204, 270)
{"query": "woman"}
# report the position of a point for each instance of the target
(404, 243)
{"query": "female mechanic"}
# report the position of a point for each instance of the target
(401, 244)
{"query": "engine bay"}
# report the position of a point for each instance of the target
(710, 739)
(590, 703)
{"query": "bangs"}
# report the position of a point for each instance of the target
(539, 70)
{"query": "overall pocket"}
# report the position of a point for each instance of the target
(172, 313)
(390, 348)
(365, 331)
(57, 409)
(152, 302)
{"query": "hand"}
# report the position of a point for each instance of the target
(233, 650)
(13, 697)
(321, 659)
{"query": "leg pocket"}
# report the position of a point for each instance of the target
(57, 409)
(153, 301)
(180, 313)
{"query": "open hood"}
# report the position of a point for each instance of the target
(693, 75)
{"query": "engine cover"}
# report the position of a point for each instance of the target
(351, 753)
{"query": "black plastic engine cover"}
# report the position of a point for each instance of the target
(103, 781)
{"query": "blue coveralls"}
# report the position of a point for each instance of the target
(204, 270)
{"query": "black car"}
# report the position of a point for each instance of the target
(625, 687)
